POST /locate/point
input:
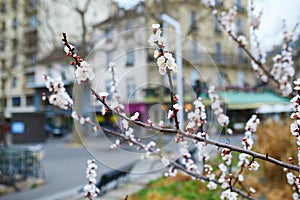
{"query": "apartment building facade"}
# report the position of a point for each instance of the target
(207, 53)
(30, 46)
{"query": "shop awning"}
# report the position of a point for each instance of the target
(251, 100)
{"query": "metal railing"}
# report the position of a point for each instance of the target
(20, 163)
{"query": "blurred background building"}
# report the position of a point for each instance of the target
(30, 46)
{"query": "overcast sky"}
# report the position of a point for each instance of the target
(274, 11)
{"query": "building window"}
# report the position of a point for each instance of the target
(130, 58)
(239, 24)
(32, 61)
(29, 100)
(240, 55)
(15, 23)
(3, 102)
(15, 4)
(3, 8)
(14, 61)
(241, 79)
(3, 45)
(16, 101)
(238, 4)
(14, 43)
(218, 29)
(129, 25)
(109, 57)
(3, 64)
(14, 82)
(219, 53)
(130, 84)
(33, 21)
(108, 33)
(3, 27)
(30, 78)
(34, 3)
(194, 49)
(193, 20)
(218, 3)
(221, 79)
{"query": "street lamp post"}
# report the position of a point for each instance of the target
(178, 51)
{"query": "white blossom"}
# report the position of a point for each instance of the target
(222, 119)
(241, 178)
(252, 190)
(84, 72)
(177, 107)
(90, 190)
(228, 194)
(211, 185)
(259, 72)
(295, 196)
(67, 49)
(103, 95)
(290, 178)
(155, 26)
(254, 166)
(135, 116)
(254, 20)
(59, 96)
(242, 40)
(170, 114)
(156, 38)
(125, 124)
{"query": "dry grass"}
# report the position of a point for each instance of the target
(274, 139)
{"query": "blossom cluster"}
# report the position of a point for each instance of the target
(186, 157)
(295, 182)
(283, 65)
(295, 126)
(259, 72)
(90, 190)
(283, 70)
(114, 86)
(196, 118)
(242, 40)
(227, 20)
(228, 194)
(156, 39)
(59, 96)
(222, 119)
(165, 60)
(254, 18)
(84, 71)
(250, 128)
(209, 3)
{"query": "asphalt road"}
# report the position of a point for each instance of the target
(64, 168)
(65, 165)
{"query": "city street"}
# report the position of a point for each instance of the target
(64, 168)
(64, 165)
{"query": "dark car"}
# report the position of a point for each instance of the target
(55, 131)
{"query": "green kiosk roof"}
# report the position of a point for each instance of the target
(251, 100)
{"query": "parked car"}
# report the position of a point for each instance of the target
(55, 131)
